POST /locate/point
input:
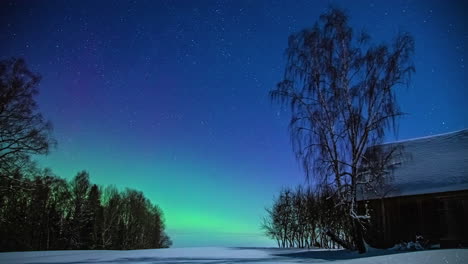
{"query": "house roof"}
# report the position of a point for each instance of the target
(433, 164)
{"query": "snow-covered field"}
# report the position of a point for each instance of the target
(218, 255)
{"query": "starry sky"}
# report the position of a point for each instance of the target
(171, 97)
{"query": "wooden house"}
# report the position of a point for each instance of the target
(425, 194)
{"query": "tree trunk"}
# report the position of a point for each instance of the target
(339, 241)
(358, 237)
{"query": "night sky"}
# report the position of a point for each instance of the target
(171, 97)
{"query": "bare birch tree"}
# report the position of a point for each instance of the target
(341, 91)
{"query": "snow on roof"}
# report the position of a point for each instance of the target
(433, 164)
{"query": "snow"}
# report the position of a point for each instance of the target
(431, 165)
(234, 255)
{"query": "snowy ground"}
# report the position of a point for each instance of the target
(218, 255)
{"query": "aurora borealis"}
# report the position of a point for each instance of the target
(171, 97)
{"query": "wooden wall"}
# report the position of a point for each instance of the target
(440, 218)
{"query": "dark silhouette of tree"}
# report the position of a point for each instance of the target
(60, 205)
(94, 211)
(273, 224)
(23, 131)
(341, 91)
(14, 216)
(80, 217)
(112, 202)
(141, 223)
(304, 219)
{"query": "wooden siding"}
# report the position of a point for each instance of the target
(438, 217)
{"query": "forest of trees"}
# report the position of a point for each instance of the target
(43, 212)
(303, 218)
(40, 211)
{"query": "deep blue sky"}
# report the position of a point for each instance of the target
(171, 97)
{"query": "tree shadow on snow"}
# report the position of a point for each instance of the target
(336, 254)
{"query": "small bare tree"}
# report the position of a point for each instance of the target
(341, 91)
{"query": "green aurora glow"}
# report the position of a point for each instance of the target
(204, 203)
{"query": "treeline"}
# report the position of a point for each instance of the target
(305, 218)
(39, 211)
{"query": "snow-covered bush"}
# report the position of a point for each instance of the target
(419, 244)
